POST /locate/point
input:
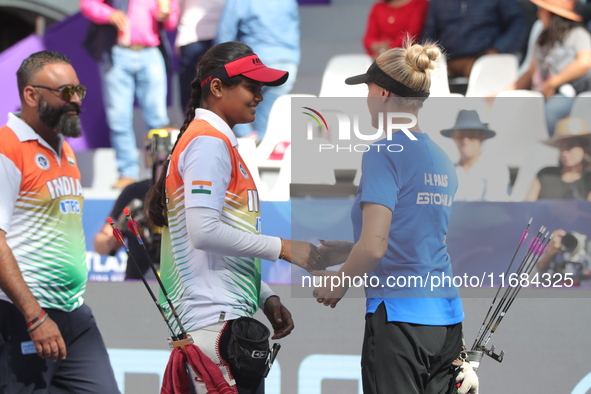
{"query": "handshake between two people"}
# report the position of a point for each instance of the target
(315, 260)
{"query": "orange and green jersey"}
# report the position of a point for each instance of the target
(41, 203)
(206, 171)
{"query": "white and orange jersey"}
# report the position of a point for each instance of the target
(206, 171)
(41, 204)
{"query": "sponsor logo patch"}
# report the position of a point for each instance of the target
(42, 161)
(243, 170)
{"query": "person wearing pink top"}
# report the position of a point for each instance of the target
(126, 38)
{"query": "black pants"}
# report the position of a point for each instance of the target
(403, 358)
(86, 368)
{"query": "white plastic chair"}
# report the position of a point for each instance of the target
(439, 80)
(341, 67)
(438, 114)
(98, 168)
(492, 73)
(523, 93)
(313, 169)
(280, 192)
(518, 118)
(581, 107)
(536, 29)
(248, 151)
(536, 157)
(278, 131)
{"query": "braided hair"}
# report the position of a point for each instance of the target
(217, 56)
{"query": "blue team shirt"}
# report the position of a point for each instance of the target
(418, 185)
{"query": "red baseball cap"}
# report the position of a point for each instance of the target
(249, 66)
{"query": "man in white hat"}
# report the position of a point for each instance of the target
(479, 177)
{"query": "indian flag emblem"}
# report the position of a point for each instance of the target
(71, 161)
(201, 187)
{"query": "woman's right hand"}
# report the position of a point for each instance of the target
(335, 252)
(303, 254)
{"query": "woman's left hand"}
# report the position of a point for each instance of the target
(279, 317)
(333, 290)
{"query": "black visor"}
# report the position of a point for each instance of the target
(379, 77)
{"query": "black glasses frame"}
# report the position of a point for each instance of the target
(67, 91)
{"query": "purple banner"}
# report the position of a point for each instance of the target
(65, 37)
(482, 235)
(10, 61)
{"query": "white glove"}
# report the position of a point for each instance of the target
(469, 379)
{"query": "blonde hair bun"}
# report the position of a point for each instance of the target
(409, 64)
(422, 57)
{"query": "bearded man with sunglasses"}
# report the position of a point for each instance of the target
(49, 340)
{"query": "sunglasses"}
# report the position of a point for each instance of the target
(67, 91)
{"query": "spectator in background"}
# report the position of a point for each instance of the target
(561, 65)
(468, 29)
(568, 258)
(584, 9)
(480, 177)
(572, 178)
(271, 28)
(552, 251)
(530, 10)
(124, 38)
(198, 24)
(158, 148)
(391, 21)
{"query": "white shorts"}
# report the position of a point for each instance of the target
(208, 340)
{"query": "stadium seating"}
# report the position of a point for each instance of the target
(439, 80)
(278, 136)
(581, 107)
(536, 29)
(248, 151)
(517, 116)
(339, 68)
(491, 74)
